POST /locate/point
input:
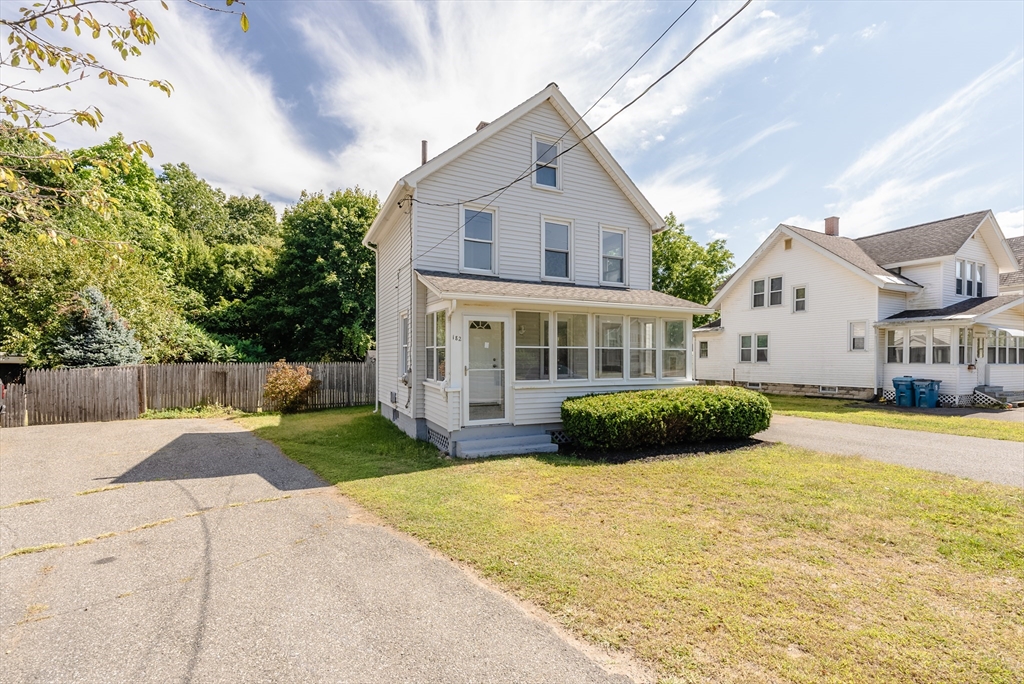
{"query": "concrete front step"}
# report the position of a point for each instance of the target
(499, 446)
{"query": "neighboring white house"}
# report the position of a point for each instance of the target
(1014, 280)
(813, 313)
(493, 308)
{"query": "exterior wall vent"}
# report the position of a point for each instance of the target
(394, 397)
(394, 415)
(754, 386)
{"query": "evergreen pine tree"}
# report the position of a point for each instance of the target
(93, 334)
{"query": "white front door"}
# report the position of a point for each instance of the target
(486, 380)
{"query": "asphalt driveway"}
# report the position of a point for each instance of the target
(208, 556)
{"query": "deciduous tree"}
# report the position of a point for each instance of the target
(682, 267)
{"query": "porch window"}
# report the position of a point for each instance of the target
(532, 346)
(673, 356)
(970, 279)
(941, 340)
(775, 292)
(608, 346)
(757, 298)
(894, 346)
(858, 332)
(556, 250)
(799, 299)
(478, 240)
(1001, 343)
(613, 256)
(966, 346)
(703, 352)
(572, 347)
(435, 338)
(991, 346)
(403, 352)
(546, 173)
(959, 277)
(746, 348)
(762, 349)
(1011, 349)
(918, 346)
(642, 348)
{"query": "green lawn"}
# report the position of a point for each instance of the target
(846, 411)
(762, 564)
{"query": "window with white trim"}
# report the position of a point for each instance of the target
(894, 346)
(478, 240)
(979, 285)
(969, 280)
(754, 348)
(775, 291)
(403, 351)
(799, 299)
(613, 256)
(435, 344)
(746, 348)
(761, 355)
(608, 345)
(533, 355)
(643, 352)
(918, 345)
(557, 239)
(858, 335)
(942, 339)
(1003, 347)
(673, 356)
(757, 293)
(959, 277)
(703, 349)
(966, 340)
(572, 348)
(546, 173)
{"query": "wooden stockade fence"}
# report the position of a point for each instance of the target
(80, 395)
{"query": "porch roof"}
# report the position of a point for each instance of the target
(965, 311)
(486, 288)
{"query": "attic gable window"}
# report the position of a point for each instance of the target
(546, 173)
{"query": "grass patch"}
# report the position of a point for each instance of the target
(26, 502)
(206, 411)
(846, 411)
(31, 549)
(109, 488)
(761, 564)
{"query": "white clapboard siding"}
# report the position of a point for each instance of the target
(394, 279)
(890, 303)
(589, 198)
(535, 406)
(976, 250)
(931, 276)
(436, 406)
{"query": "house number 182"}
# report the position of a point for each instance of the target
(456, 338)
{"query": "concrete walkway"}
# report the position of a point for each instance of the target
(213, 558)
(990, 460)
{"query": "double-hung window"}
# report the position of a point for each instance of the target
(799, 299)
(613, 256)
(435, 338)
(959, 277)
(966, 346)
(775, 291)
(546, 173)
(572, 347)
(918, 345)
(403, 352)
(762, 349)
(746, 348)
(557, 238)
(757, 294)
(1001, 342)
(894, 346)
(858, 335)
(979, 274)
(703, 353)
(970, 279)
(643, 348)
(673, 357)
(608, 346)
(942, 338)
(754, 348)
(478, 240)
(532, 346)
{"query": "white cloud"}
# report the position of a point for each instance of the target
(716, 235)
(1011, 221)
(869, 32)
(693, 200)
(759, 185)
(767, 14)
(818, 49)
(801, 221)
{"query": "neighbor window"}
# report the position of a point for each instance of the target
(532, 346)
(799, 299)
(918, 346)
(435, 338)
(478, 240)
(970, 279)
(1001, 343)
(608, 346)
(979, 274)
(762, 349)
(991, 354)
(642, 348)
(746, 348)
(546, 173)
(858, 333)
(894, 346)
(613, 256)
(673, 356)
(703, 349)
(966, 346)
(959, 277)
(775, 292)
(1012, 355)
(556, 250)
(572, 347)
(758, 294)
(403, 352)
(942, 338)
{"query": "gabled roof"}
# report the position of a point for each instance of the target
(711, 326)
(472, 287)
(924, 241)
(849, 250)
(571, 117)
(962, 310)
(1014, 278)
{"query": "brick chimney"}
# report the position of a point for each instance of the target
(423, 152)
(832, 225)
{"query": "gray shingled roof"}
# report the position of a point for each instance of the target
(968, 308)
(1014, 278)
(848, 249)
(462, 285)
(924, 241)
(711, 325)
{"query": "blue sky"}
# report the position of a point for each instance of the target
(886, 114)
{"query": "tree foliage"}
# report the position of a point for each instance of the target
(682, 267)
(91, 333)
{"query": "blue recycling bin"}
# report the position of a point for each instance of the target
(926, 392)
(904, 390)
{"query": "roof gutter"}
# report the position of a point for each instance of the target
(467, 298)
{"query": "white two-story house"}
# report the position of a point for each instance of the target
(496, 299)
(814, 313)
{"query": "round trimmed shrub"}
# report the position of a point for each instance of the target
(634, 420)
